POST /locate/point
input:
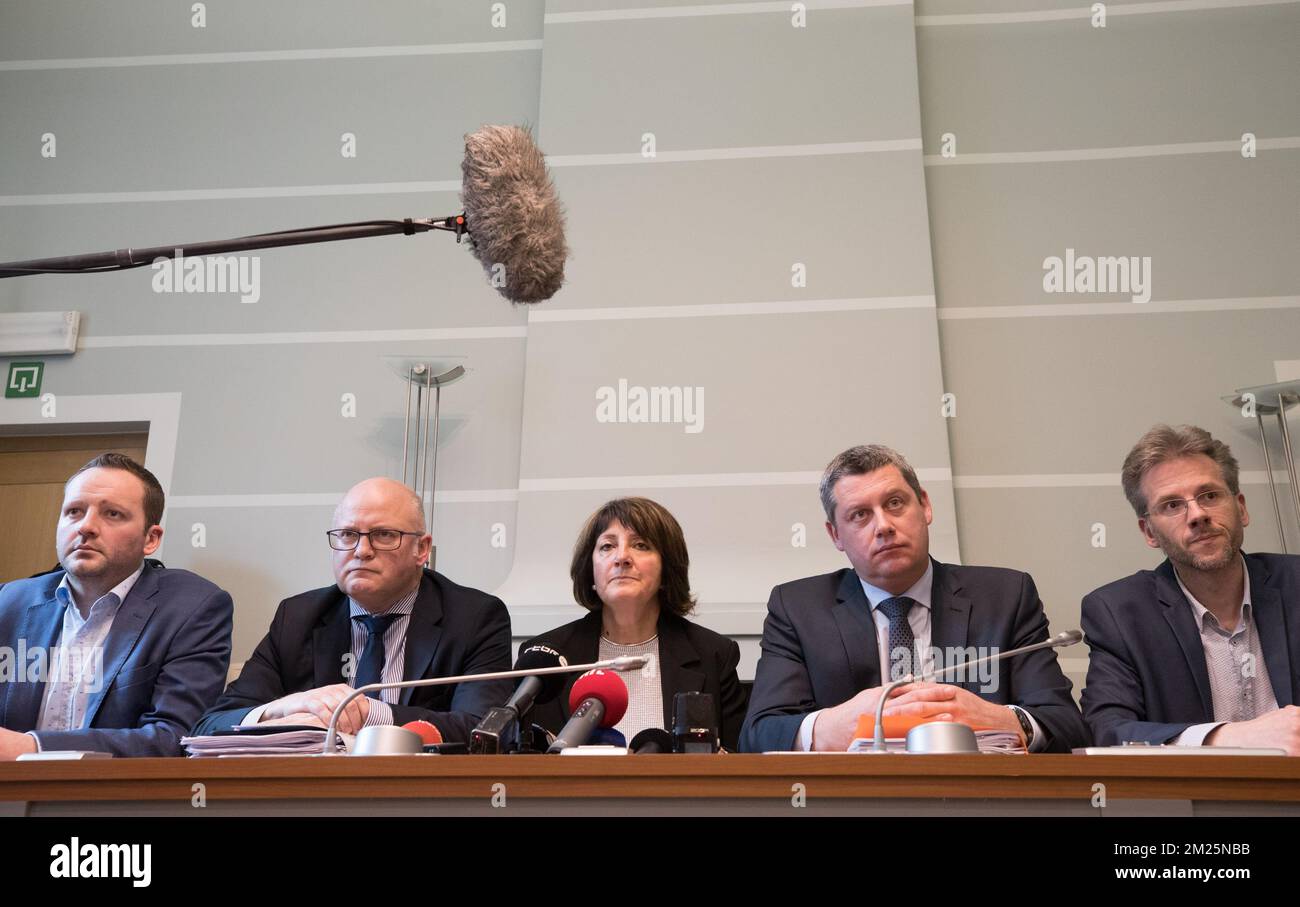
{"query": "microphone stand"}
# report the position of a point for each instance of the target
(622, 663)
(1068, 638)
(125, 259)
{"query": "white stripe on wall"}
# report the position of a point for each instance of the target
(330, 499)
(1085, 480)
(202, 195)
(1162, 307)
(698, 480)
(127, 341)
(274, 56)
(729, 310)
(1108, 154)
(1084, 11)
(710, 9)
(734, 154)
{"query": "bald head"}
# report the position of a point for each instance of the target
(388, 495)
(377, 577)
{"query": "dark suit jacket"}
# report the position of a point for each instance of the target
(165, 660)
(692, 659)
(1147, 678)
(453, 630)
(820, 649)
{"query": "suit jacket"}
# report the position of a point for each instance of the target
(819, 649)
(692, 659)
(453, 630)
(165, 660)
(1147, 678)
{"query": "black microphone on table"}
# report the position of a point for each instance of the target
(487, 736)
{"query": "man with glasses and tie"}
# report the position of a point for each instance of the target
(387, 619)
(830, 642)
(1205, 649)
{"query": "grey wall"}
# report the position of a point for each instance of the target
(1122, 140)
(775, 146)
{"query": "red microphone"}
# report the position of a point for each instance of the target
(598, 699)
(428, 732)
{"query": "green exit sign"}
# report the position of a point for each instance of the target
(24, 379)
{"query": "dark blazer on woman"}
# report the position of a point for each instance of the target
(692, 659)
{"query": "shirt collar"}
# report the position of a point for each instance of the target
(404, 605)
(1201, 611)
(919, 593)
(64, 591)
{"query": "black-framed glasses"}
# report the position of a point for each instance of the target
(380, 539)
(1175, 508)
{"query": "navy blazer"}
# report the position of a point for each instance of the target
(692, 659)
(1147, 679)
(165, 660)
(453, 630)
(820, 649)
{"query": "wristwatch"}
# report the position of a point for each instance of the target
(1025, 724)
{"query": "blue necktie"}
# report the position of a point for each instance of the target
(370, 669)
(902, 643)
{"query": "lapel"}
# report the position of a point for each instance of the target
(423, 632)
(679, 663)
(1178, 614)
(582, 647)
(950, 609)
(132, 615)
(852, 614)
(39, 631)
(331, 640)
(1270, 623)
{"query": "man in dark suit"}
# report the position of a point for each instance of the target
(827, 637)
(110, 653)
(1177, 651)
(387, 619)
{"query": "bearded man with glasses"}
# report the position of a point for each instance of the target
(386, 619)
(1205, 649)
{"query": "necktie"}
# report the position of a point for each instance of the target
(902, 644)
(370, 669)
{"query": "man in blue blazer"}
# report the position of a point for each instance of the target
(826, 638)
(1205, 649)
(111, 652)
(385, 619)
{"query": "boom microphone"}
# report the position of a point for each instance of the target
(516, 227)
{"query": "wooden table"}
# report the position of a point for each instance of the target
(791, 784)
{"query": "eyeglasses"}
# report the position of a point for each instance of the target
(380, 539)
(1177, 507)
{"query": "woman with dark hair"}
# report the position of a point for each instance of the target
(629, 570)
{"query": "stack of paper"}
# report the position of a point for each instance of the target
(288, 742)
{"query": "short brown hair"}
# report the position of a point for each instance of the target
(657, 526)
(154, 501)
(1163, 443)
(858, 461)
